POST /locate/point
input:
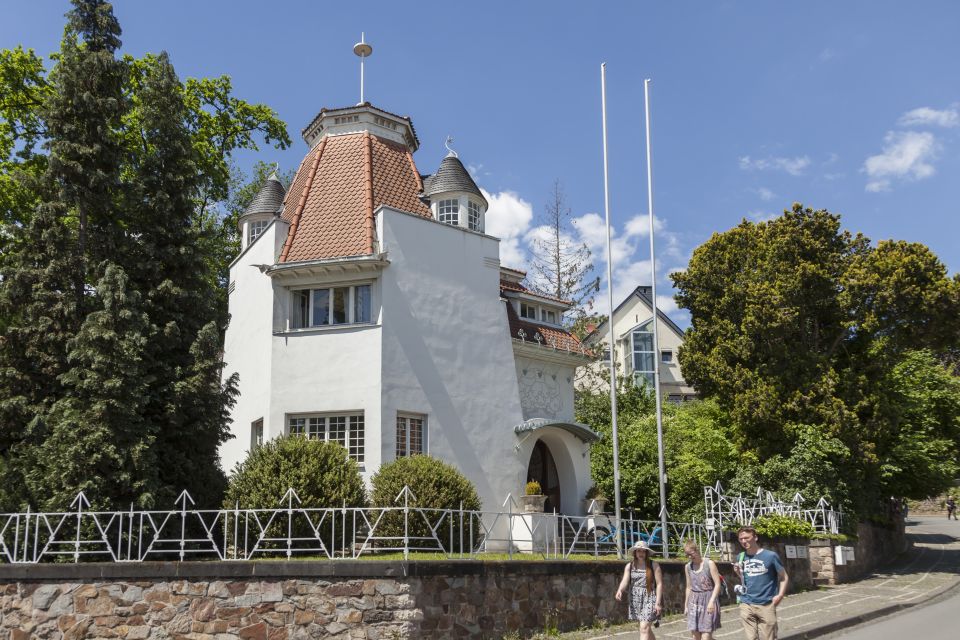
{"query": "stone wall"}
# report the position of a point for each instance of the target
(298, 600)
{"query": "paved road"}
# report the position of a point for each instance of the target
(929, 572)
(937, 621)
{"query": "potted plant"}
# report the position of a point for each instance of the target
(595, 501)
(534, 499)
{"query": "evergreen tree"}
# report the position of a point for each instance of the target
(99, 441)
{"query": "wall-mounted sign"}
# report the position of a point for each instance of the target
(791, 550)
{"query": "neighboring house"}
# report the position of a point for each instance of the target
(369, 307)
(634, 353)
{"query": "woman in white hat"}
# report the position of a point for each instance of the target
(646, 589)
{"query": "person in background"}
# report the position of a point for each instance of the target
(760, 570)
(644, 579)
(951, 508)
(701, 601)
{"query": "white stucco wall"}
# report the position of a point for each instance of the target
(447, 352)
(247, 341)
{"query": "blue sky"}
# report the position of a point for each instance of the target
(850, 106)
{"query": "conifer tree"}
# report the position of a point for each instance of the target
(99, 441)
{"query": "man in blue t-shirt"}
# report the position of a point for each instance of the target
(760, 570)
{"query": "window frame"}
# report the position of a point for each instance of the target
(256, 434)
(452, 215)
(474, 216)
(350, 306)
(354, 423)
(261, 226)
(647, 374)
(528, 305)
(404, 440)
(666, 356)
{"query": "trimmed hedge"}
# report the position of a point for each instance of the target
(436, 485)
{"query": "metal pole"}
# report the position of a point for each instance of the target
(613, 369)
(656, 340)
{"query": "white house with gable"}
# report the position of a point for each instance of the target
(369, 307)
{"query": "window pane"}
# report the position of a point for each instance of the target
(340, 305)
(643, 361)
(315, 428)
(300, 315)
(356, 438)
(361, 303)
(642, 341)
(337, 430)
(401, 436)
(298, 426)
(416, 436)
(321, 307)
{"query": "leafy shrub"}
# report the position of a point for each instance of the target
(595, 493)
(776, 526)
(533, 489)
(435, 485)
(321, 473)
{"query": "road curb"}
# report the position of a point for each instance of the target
(869, 616)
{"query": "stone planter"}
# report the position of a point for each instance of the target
(532, 504)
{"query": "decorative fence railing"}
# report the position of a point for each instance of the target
(292, 530)
(724, 510)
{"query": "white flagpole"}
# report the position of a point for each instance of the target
(613, 369)
(656, 337)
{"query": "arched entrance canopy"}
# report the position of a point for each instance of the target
(581, 431)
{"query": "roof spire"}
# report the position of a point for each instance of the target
(363, 50)
(449, 148)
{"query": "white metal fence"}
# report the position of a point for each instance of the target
(293, 530)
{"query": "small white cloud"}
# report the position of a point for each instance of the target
(508, 218)
(906, 155)
(827, 55)
(925, 116)
(639, 226)
(762, 216)
(765, 194)
(794, 166)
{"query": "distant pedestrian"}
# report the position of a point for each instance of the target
(644, 579)
(701, 602)
(951, 508)
(760, 570)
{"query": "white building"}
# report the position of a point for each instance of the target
(369, 307)
(634, 353)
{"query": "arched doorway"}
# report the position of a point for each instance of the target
(543, 469)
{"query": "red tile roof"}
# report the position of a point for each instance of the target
(542, 334)
(339, 185)
(519, 288)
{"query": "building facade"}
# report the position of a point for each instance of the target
(634, 352)
(369, 307)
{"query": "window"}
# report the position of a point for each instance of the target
(448, 212)
(336, 305)
(666, 356)
(411, 432)
(675, 398)
(473, 216)
(254, 229)
(256, 434)
(346, 430)
(548, 315)
(643, 354)
(528, 311)
(346, 119)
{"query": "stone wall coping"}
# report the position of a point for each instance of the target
(310, 569)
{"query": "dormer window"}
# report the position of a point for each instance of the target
(473, 216)
(448, 212)
(254, 229)
(535, 312)
(528, 311)
(548, 315)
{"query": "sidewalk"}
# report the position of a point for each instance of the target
(930, 569)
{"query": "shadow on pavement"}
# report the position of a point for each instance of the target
(932, 538)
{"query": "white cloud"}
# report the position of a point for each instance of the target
(906, 155)
(925, 116)
(765, 194)
(762, 216)
(827, 54)
(794, 166)
(508, 218)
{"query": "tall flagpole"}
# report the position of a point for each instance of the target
(656, 339)
(613, 369)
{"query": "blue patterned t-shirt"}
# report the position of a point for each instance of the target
(760, 576)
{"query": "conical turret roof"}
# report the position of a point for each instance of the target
(269, 199)
(451, 176)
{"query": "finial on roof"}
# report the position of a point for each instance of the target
(363, 50)
(449, 148)
(275, 174)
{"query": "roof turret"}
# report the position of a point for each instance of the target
(269, 199)
(451, 176)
